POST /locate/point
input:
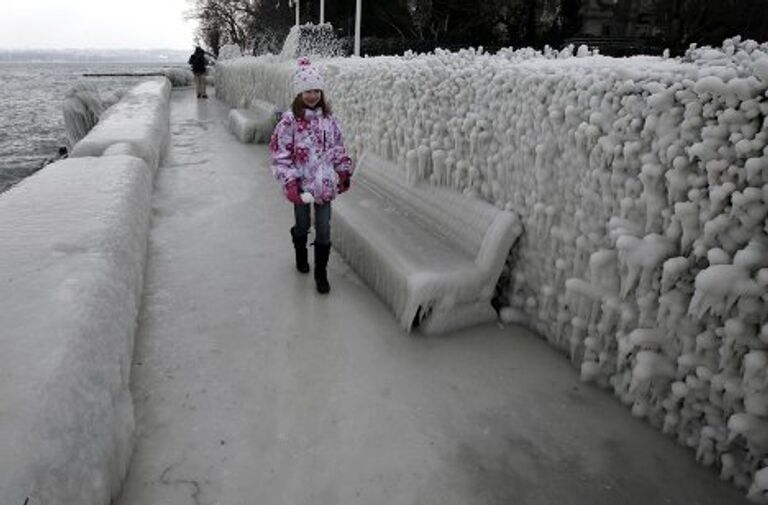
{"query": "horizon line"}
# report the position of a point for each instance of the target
(192, 46)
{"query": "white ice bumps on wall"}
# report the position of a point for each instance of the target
(255, 124)
(643, 185)
(433, 255)
(72, 256)
(139, 123)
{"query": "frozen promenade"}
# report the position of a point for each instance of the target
(251, 389)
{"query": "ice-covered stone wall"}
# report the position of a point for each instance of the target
(643, 183)
(72, 258)
(137, 125)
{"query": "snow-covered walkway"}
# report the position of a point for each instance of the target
(251, 389)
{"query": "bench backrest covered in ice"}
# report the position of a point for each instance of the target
(433, 255)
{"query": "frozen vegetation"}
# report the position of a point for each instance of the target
(72, 263)
(643, 187)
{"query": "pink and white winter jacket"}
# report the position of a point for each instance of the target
(310, 150)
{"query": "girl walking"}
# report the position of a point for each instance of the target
(311, 163)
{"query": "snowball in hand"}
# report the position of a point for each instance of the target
(307, 198)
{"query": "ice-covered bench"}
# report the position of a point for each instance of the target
(433, 255)
(137, 125)
(255, 124)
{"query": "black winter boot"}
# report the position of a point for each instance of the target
(300, 246)
(322, 251)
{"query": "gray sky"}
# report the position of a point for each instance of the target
(129, 24)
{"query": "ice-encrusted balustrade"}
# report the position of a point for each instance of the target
(643, 187)
(74, 250)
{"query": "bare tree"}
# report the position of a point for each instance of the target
(246, 23)
(222, 22)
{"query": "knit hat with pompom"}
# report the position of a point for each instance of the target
(307, 77)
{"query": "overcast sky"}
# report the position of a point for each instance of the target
(125, 24)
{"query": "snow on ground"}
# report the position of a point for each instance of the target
(643, 183)
(72, 262)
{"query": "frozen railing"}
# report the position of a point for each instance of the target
(433, 255)
(73, 253)
(79, 259)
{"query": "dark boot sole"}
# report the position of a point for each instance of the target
(323, 289)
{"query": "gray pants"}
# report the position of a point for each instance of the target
(200, 85)
(322, 222)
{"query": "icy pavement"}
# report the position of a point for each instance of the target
(252, 389)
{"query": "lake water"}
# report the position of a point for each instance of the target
(31, 117)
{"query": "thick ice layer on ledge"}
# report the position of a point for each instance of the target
(72, 257)
(138, 123)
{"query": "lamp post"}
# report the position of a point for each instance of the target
(322, 11)
(358, 14)
(296, 4)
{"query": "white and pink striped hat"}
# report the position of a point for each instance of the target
(307, 77)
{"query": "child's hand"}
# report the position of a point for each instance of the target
(291, 191)
(344, 182)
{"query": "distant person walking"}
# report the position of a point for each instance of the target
(199, 69)
(311, 163)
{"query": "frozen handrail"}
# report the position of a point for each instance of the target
(433, 255)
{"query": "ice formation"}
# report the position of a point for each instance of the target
(432, 255)
(82, 108)
(229, 51)
(311, 40)
(78, 258)
(254, 124)
(137, 125)
(179, 76)
(75, 267)
(643, 187)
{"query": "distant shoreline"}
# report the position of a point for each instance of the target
(94, 55)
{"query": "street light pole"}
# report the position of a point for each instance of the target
(322, 11)
(358, 14)
(296, 4)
